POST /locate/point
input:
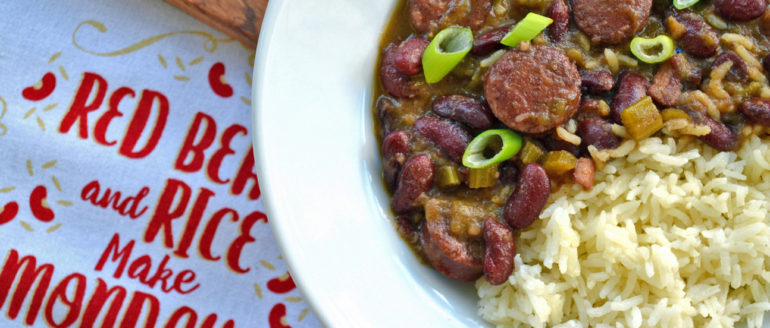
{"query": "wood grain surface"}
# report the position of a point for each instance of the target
(240, 19)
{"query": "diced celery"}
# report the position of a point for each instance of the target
(642, 119)
(484, 177)
(531, 153)
(447, 176)
(558, 162)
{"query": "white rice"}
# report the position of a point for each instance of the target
(673, 235)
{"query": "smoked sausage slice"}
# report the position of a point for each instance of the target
(611, 21)
(457, 259)
(533, 91)
(431, 16)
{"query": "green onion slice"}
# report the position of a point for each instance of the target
(654, 50)
(682, 4)
(504, 143)
(445, 51)
(526, 30)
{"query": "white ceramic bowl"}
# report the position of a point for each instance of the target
(319, 169)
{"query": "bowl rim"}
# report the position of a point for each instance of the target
(396, 281)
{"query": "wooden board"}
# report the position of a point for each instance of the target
(240, 19)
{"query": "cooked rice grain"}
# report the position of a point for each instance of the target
(674, 235)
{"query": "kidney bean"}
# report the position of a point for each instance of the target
(40, 210)
(666, 86)
(416, 178)
(721, 136)
(739, 72)
(386, 107)
(450, 137)
(489, 42)
(756, 110)
(508, 173)
(698, 39)
(398, 65)
(689, 74)
(764, 23)
(740, 10)
(584, 173)
(632, 86)
(464, 109)
(395, 150)
(9, 212)
(591, 107)
(409, 56)
(499, 251)
(407, 229)
(559, 12)
(553, 142)
(457, 259)
(597, 82)
(529, 197)
(597, 132)
(766, 63)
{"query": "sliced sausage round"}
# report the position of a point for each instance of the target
(740, 10)
(533, 91)
(431, 16)
(457, 259)
(611, 21)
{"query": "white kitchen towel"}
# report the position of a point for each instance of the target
(128, 196)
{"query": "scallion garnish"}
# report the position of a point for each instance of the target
(682, 4)
(503, 143)
(445, 51)
(526, 30)
(655, 50)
